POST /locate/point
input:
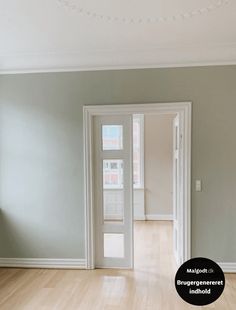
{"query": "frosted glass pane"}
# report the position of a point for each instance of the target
(114, 245)
(113, 193)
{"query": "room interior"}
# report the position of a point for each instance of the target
(58, 58)
(153, 224)
(153, 155)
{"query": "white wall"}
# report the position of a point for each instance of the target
(158, 142)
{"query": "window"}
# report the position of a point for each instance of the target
(138, 150)
(112, 173)
(112, 137)
(113, 168)
(114, 165)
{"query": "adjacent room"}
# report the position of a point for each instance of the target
(153, 191)
(153, 187)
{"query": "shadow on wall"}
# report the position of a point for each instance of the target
(41, 187)
(13, 237)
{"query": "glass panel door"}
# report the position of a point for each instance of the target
(113, 182)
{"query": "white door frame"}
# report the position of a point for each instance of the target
(183, 109)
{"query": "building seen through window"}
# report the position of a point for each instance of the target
(112, 139)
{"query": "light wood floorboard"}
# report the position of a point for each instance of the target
(150, 286)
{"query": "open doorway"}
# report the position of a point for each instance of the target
(154, 177)
(104, 232)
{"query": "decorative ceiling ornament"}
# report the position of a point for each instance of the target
(82, 10)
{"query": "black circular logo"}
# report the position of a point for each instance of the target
(200, 281)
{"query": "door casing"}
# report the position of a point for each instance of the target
(183, 110)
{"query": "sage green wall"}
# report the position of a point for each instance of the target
(41, 154)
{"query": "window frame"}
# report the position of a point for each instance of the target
(140, 119)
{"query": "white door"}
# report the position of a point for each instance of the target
(113, 189)
(176, 188)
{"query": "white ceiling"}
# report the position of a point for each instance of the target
(62, 35)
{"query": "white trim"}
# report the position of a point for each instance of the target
(140, 117)
(159, 217)
(228, 267)
(43, 263)
(138, 204)
(139, 108)
(181, 108)
(164, 56)
(139, 218)
(116, 67)
(187, 139)
(88, 187)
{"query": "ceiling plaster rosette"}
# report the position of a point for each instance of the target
(140, 11)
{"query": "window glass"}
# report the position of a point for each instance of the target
(112, 173)
(112, 137)
(113, 192)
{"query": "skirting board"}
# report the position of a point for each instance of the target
(71, 264)
(228, 267)
(159, 217)
(43, 263)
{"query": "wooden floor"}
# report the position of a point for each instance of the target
(150, 286)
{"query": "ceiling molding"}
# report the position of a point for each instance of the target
(53, 38)
(185, 56)
(128, 67)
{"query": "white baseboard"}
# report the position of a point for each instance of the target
(43, 263)
(159, 217)
(71, 263)
(228, 267)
